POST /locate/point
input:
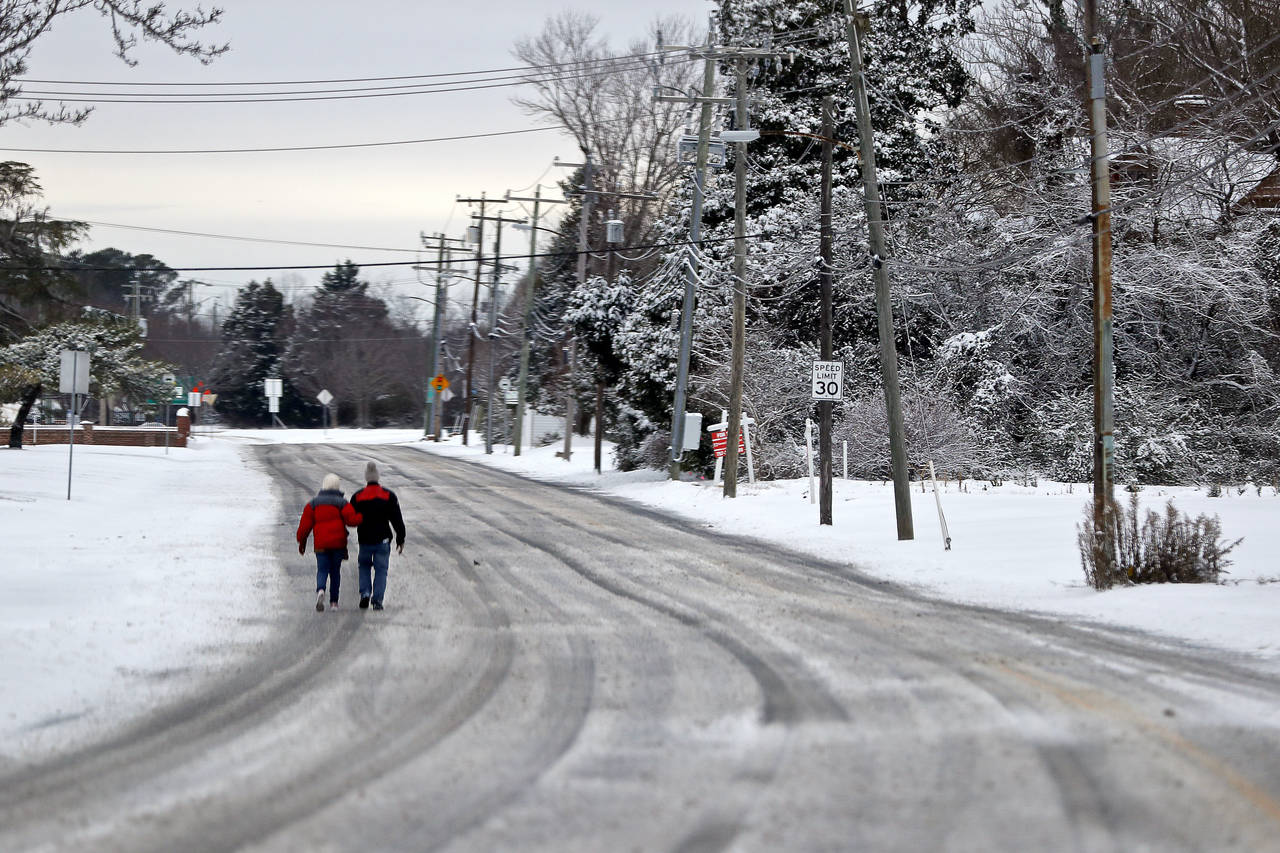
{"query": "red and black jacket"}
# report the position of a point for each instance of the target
(329, 515)
(381, 512)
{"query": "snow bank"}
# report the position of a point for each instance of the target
(135, 587)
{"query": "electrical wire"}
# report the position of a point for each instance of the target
(573, 71)
(491, 259)
(330, 81)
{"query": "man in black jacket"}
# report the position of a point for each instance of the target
(381, 513)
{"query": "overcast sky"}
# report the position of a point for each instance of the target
(377, 197)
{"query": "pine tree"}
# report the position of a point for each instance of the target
(250, 352)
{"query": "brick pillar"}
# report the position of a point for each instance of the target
(184, 425)
(86, 430)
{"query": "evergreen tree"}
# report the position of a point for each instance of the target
(250, 352)
(30, 295)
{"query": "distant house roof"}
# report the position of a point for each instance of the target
(1265, 196)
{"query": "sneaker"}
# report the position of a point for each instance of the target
(320, 601)
(364, 602)
(333, 605)
(377, 605)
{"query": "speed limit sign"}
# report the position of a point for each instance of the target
(828, 380)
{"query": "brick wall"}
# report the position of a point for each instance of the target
(96, 435)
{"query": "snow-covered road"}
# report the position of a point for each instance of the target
(558, 671)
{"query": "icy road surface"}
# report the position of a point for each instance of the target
(559, 672)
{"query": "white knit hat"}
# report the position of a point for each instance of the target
(370, 472)
(331, 481)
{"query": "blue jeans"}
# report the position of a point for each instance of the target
(329, 566)
(374, 557)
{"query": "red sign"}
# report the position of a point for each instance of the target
(720, 443)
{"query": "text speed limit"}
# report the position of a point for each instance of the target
(828, 380)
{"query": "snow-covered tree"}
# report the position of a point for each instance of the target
(116, 367)
(252, 343)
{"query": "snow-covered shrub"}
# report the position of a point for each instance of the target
(639, 443)
(1168, 548)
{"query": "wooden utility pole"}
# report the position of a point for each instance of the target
(879, 257)
(824, 322)
(531, 292)
(1103, 378)
(691, 265)
(434, 415)
(571, 357)
(493, 319)
(471, 330)
(738, 364)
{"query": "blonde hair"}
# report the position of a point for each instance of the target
(330, 481)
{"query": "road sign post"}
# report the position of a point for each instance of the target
(73, 379)
(325, 399)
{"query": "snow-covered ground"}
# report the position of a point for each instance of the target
(135, 586)
(139, 583)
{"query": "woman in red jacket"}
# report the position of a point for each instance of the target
(329, 515)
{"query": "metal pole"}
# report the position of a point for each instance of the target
(691, 267)
(71, 430)
(493, 328)
(739, 286)
(583, 224)
(824, 324)
(1103, 379)
(875, 229)
(471, 331)
(531, 291)
(436, 322)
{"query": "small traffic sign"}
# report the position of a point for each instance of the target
(504, 383)
(440, 383)
(828, 380)
(325, 397)
(512, 398)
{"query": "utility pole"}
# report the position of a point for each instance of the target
(1103, 379)
(738, 364)
(471, 330)
(571, 357)
(531, 292)
(824, 322)
(879, 259)
(437, 323)
(493, 328)
(707, 103)
(740, 135)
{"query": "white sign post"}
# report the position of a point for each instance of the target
(73, 379)
(274, 389)
(828, 380)
(325, 399)
(808, 455)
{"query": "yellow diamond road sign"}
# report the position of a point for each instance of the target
(440, 383)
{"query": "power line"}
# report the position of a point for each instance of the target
(234, 237)
(620, 58)
(316, 95)
(488, 258)
(283, 147)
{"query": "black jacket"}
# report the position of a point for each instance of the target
(381, 513)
